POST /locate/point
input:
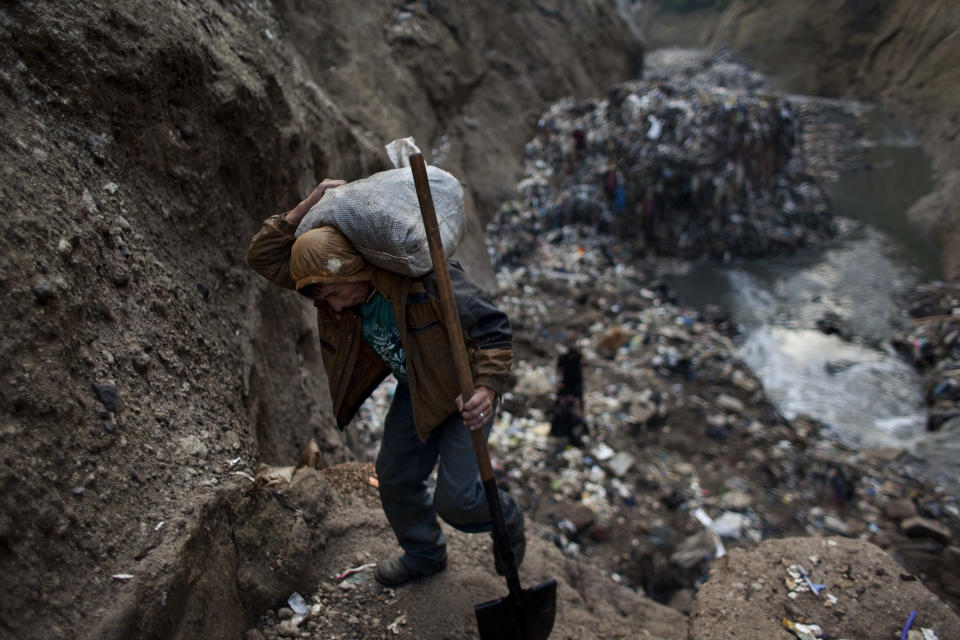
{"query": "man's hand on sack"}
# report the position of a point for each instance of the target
(479, 409)
(295, 215)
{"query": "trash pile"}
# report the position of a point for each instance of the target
(932, 345)
(670, 166)
(684, 457)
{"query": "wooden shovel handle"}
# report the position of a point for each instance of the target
(449, 307)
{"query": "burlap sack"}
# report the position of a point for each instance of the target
(381, 217)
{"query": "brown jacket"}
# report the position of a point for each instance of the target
(354, 370)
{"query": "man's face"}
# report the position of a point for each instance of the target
(339, 296)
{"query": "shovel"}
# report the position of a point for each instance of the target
(524, 614)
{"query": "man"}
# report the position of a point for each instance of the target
(373, 322)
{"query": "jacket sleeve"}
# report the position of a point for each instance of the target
(269, 251)
(487, 330)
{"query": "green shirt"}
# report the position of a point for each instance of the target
(380, 332)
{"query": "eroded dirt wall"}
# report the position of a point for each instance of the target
(142, 364)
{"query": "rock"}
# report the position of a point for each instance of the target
(140, 359)
(96, 144)
(253, 634)
(89, 202)
(284, 613)
(682, 600)
(289, 628)
(43, 291)
(192, 445)
(65, 248)
(579, 515)
(108, 396)
(836, 525)
(736, 500)
(918, 527)
(900, 509)
(730, 403)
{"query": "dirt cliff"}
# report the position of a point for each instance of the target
(145, 369)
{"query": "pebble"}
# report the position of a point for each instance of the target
(900, 509)
(65, 248)
(43, 291)
(918, 527)
(108, 396)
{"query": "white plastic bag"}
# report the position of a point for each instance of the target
(380, 215)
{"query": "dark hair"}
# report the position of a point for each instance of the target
(307, 290)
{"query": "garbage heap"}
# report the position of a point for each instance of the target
(684, 457)
(673, 165)
(932, 345)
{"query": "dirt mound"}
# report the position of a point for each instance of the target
(847, 588)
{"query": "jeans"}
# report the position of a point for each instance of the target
(403, 466)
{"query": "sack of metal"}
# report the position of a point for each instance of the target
(380, 215)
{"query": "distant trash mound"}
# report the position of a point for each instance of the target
(674, 166)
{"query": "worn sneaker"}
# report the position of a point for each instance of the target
(393, 572)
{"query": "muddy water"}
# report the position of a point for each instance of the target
(854, 384)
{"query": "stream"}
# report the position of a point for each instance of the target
(792, 311)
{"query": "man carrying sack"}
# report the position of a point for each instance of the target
(372, 322)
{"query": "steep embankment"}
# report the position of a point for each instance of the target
(902, 54)
(143, 365)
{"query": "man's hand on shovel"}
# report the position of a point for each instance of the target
(479, 409)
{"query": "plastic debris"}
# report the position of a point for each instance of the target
(297, 604)
(814, 587)
(122, 577)
(803, 631)
(909, 623)
(707, 522)
(398, 622)
(349, 572)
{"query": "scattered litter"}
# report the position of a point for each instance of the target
(349, 572)
(815, 587)
(245, 475)
(397, 623)
(122, 577)
(234, 462)
(707, 522)
(803, 631)
(159, 525)
(297, 604)
(906, 627)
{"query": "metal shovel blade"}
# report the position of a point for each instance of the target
(530, 619)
